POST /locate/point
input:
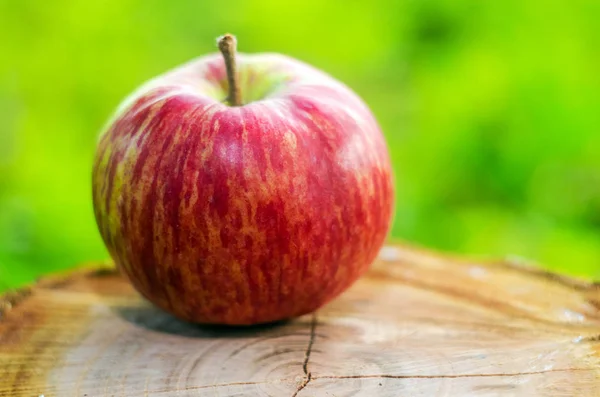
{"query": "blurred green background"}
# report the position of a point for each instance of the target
(491, 110)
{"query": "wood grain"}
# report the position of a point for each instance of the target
(418, 324)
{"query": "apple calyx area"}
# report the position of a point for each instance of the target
(227, 45)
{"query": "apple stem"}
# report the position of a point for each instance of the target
(227, 46)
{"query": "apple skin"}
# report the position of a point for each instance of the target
(249, 214)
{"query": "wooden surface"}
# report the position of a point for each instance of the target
(418, 324)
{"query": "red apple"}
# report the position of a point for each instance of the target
(242, 208)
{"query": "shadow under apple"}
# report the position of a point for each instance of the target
(154, 319)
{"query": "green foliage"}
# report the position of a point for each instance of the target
(491, 110)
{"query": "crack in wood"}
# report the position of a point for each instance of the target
(592, 339)
(444, 376)
(490, 303)
(304, 383)
(311, 341)
(308, 378)
(11, 299)
(524, 266)
(107, 271)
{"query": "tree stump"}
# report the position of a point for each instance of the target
(418, 324)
